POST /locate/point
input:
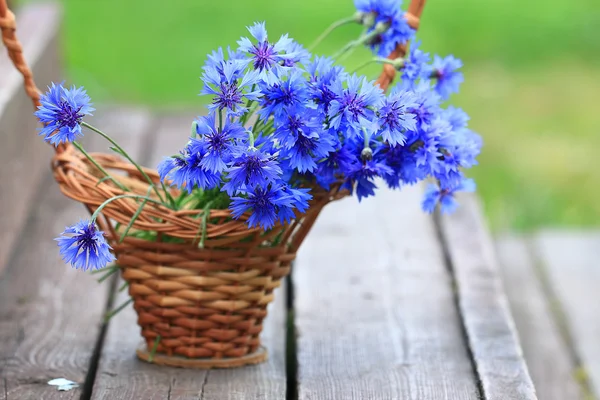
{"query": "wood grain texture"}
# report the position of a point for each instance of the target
(122, 376)
(547, 355)
(50, 313)
(571, 262)
(489, 326)
(24, 156)
(374, 307)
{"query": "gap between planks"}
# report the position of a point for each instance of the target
(490, 330)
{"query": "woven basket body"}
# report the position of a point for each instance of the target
(205, 303)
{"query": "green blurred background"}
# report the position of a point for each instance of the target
(532, 79)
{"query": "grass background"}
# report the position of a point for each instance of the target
(532, 79)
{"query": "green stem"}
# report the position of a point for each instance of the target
(124, 154)
(122, 196)
(397, 63)
(360, 41)
(220, 119)
(330, 29)
(244, 118)
(89, 157)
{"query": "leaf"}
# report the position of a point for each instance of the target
(114, 312)
(135, 216)
(103, 179)
(202, 228)
(153, 351)
(123, 286)
(108, 274)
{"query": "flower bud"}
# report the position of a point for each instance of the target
(366, 154)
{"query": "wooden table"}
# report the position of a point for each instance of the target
(385, 302)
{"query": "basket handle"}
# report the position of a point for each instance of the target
(413, 16)
(15, 51)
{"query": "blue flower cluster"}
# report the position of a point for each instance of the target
(385, 19)
(283, 123)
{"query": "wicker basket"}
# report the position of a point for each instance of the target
(197, 307)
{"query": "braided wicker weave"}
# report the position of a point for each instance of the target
(197, 307)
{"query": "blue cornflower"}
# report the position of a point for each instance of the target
(322, 76)
(83, 246)
(416, 65)
(186, 171)
(445, 196)
(399, 32)
(458, 146)
(62, 111)
(428, 102)
(219, 142)
(298, 55)
(337, 163)
(353, 107)
(448, 78)
(296, 122)
(386, 12)
(308, 150)
(287, 92)
(266, 57)
(217, 60)
(230, 87)
(361, 176)
(251, 168)
(299, 198)
(263, 202)
(394, 118)
(380, 8)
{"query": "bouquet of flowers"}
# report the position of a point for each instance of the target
(285, 132)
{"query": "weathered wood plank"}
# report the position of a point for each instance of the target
(489, 326)
(374, 306)
(571, 261)
(24, 156)
(121, 375)
(547, 355)
(51, 314)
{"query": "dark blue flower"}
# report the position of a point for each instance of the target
(266, 57)
(307, 150)
(83, 246)
(427, 102)
(399, 32)
(448, 78)
(445, 196)
(251, 168)
(389, 13)
(394, 117)
(416, 65)
(296, 122)
(263, 203)
(62, 111)
(322, 76)
(299, 198)
(289, 91)
(337, 164)
(298, 55)
(219, 142)
(458, 146)
(353, 108)
(361, 175)
(230, 87)
(186, 171)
